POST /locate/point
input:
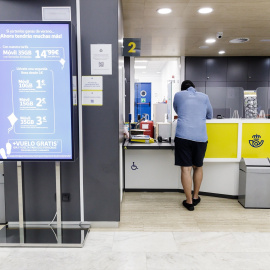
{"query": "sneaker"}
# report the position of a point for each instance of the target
(196, 201)
(190, 207)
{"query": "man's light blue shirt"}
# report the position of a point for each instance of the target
(192, 108)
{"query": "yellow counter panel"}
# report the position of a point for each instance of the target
(229, 140)
(222, 140)
(255, 140)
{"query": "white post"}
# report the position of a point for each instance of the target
(20, 200)
(79, 68)
(58, 202)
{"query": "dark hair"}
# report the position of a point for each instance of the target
(186, 84)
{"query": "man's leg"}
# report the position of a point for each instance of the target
(197, 180)
(187, 182)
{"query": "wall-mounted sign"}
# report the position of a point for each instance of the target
(92, 90)
(36, 91)
(132, 47)
(56, 13)
(101, 59)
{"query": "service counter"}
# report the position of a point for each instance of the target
(151, 166)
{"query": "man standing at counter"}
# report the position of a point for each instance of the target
(192, 108)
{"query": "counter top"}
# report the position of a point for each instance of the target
(155, 145)
(238, 120)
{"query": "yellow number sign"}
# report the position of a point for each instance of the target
(133, 46)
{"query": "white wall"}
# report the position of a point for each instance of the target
(170, 72)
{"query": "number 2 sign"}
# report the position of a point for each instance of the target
(132, 47)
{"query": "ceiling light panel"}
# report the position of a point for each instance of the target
(210, 40)
(140, 67)
(205, 10)
(164, 11)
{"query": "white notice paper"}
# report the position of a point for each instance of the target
(92, 90)
(101, 59)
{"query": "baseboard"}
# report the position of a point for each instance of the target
(182, 191)
(150, 190)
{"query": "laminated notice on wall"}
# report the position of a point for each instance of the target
(101, 59)
(92, 90)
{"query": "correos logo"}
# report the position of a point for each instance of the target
(256, 141)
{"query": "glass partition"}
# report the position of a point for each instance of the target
(226, 100)
(263, 95)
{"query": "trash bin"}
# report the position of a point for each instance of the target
(254, 182)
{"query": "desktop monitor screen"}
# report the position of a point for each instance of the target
(35, 91)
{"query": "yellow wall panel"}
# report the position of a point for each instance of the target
(255, 140)
(222, 140)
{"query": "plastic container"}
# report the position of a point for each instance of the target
(148, 127)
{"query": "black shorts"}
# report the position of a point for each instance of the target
(188, 153)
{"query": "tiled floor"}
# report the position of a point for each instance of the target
(145, 211)
(156, 232)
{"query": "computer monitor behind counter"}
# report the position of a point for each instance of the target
(221, 113)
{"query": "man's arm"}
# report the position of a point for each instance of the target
(209, 110)
(174, 104)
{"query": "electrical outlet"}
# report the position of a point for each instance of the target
(65, 197)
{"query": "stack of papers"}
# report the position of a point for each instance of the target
(141, 139)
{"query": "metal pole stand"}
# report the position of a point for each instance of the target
(58, 202)
(20, 200)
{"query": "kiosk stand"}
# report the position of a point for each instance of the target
(17, 234)
(47, 234)
(36, 117)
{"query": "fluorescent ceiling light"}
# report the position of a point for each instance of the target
(205, 10)
(210, 40)
(140, 67)
(221, 52)
(265, 40)
(164, 10)
(141, 61)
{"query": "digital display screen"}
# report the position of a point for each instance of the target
(35, 91)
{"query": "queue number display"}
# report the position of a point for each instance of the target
(132, 47)
(36, 91)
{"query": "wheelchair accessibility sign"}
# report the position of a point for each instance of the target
(134, 167)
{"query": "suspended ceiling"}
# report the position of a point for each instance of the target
(184, 30)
